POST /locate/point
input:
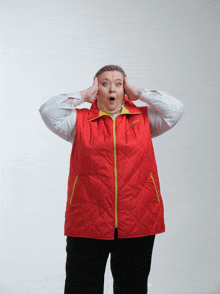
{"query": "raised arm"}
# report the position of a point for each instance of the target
(164, 111)
(59, 113)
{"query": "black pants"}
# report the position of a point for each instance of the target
(86, 261)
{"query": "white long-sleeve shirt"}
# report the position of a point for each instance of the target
(164, 111)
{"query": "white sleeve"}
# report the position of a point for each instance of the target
(164, 111)
(60, 117)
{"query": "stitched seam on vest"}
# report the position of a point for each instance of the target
(139, 221)
(135, 171)
(121, 177)
(127, 184)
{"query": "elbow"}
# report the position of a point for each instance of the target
(180, 112)
(181, 109)
(173, 119)
(41, 110)
(44, 111)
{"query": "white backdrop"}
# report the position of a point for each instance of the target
(50, 47)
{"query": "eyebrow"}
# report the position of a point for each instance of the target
(108, 79)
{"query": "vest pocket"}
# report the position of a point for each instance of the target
(155, 187)
(74, 188)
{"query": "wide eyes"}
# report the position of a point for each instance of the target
(106, 84)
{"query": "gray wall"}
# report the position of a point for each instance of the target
(49, 47)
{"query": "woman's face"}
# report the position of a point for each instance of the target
(111, 85)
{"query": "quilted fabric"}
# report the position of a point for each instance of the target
(113, 179)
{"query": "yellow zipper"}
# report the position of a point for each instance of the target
(124, 111)
(155, 187)
(73, 188)
(115, 168)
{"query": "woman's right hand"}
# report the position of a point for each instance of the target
(89, 95)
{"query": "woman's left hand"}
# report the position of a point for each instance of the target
(133, 93)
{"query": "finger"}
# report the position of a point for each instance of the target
(96, 81)
(125, 84)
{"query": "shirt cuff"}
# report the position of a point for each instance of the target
(74, 95)
(148, 96)
(77, 100)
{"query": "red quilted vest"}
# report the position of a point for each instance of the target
(113, 179)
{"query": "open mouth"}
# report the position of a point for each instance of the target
(112, 99)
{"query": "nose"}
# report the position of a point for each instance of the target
(112, 88)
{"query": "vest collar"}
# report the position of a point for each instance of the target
(129, 108)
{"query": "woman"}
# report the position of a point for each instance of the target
(114, 204)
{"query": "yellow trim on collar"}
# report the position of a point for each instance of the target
(123, 111)
(101, 113)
